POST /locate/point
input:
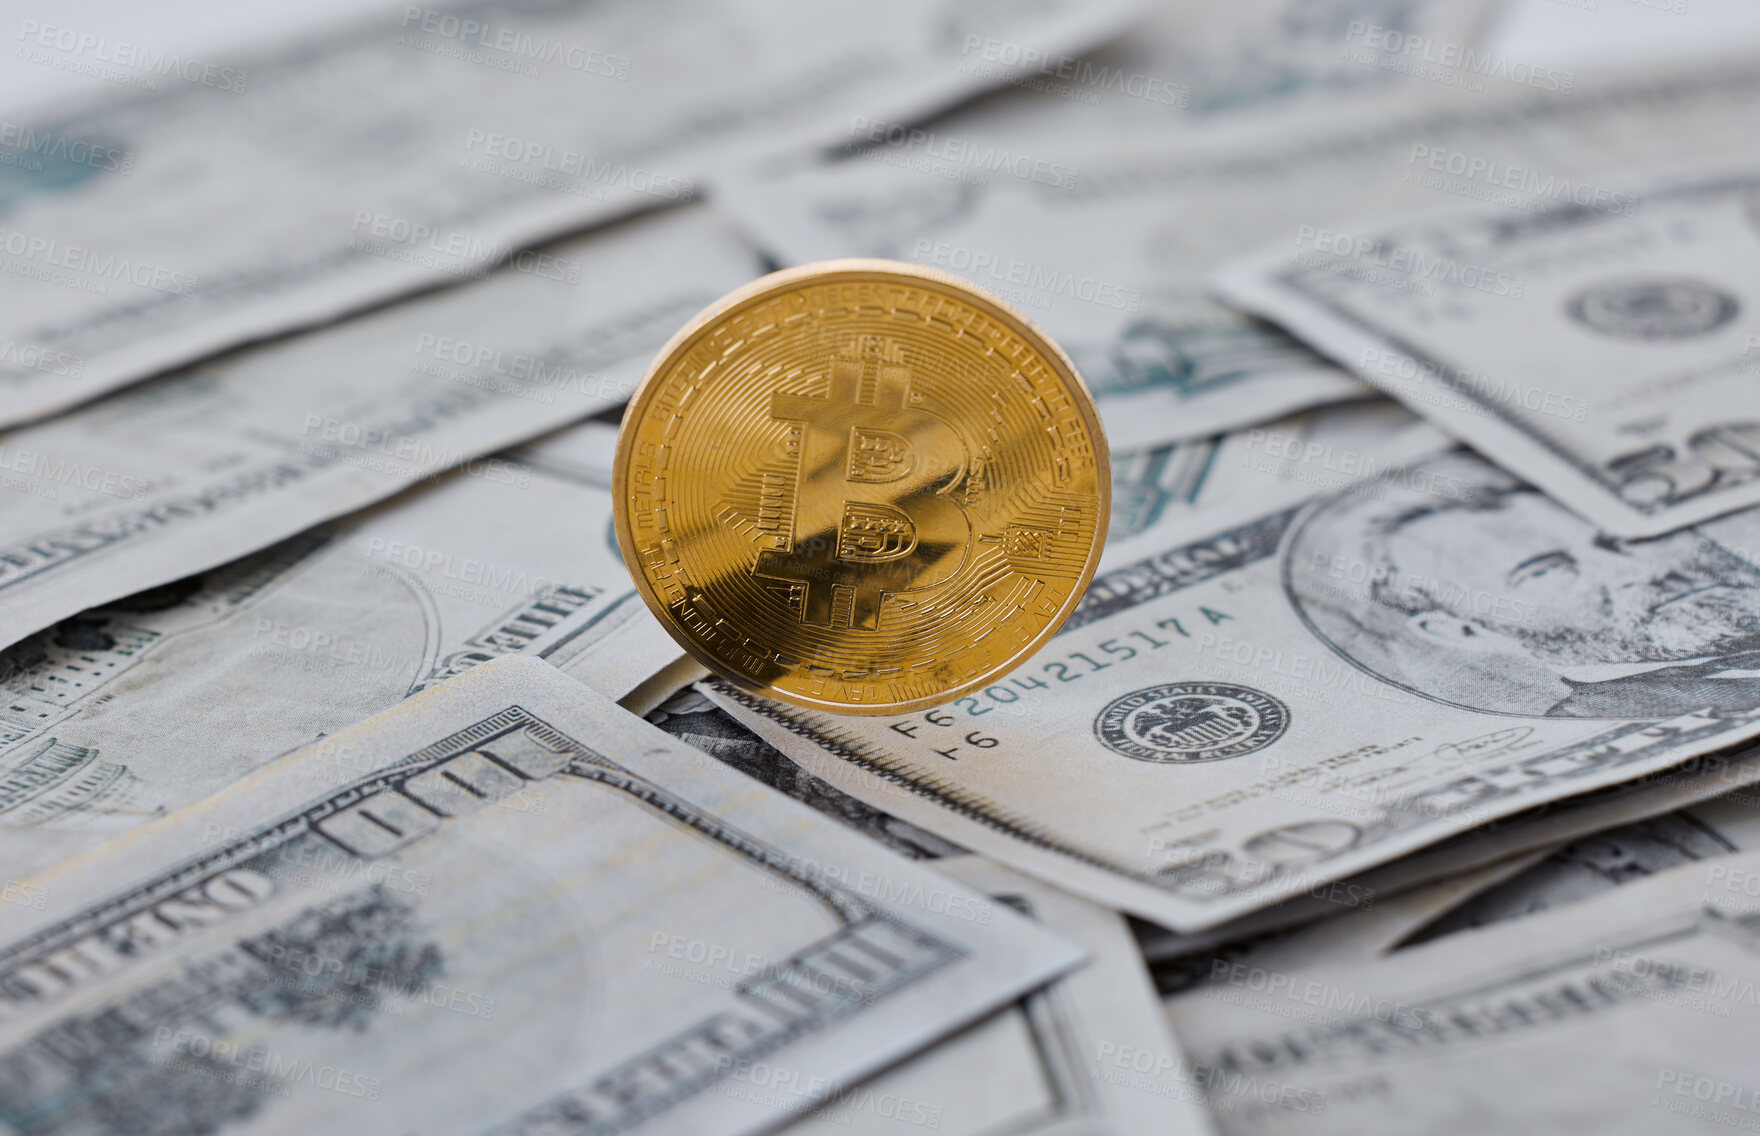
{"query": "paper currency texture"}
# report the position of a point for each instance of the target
(620, 927)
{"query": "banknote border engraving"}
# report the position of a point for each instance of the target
(873, 953)
(1057, 1052)
(1113, 727)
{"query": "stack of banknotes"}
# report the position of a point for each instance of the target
(1397, 773)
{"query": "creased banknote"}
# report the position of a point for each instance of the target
(1704, 779)
(421, 144)
(1540, 829)
(121, 713)
(205, 465)
(1356, 935)
(1633, 1012)
(1301, 696)
(522, 910)
(1608, 355)
(1385, 911)
(1603, 860)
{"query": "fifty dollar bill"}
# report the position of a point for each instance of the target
(1301, 696)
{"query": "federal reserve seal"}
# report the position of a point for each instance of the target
(1653, 309)
(1191, 721)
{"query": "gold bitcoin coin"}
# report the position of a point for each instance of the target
(861, 486)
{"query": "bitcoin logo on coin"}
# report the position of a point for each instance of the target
(861, 486)
(895, 528)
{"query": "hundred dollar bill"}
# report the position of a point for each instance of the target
(205, 465)
(122, 713)
(533, 912)
(421, 144)
(1649, 990)
(1299, 697)
(1609, 356)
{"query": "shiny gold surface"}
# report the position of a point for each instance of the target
(861, 486)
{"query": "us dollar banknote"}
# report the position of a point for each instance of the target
(1489, 848)
(219, 460)
(1091, 1052)
(1345, 936)
(1143, 224)
(594, 927)
(1080, 1055)
(1162, 493)
(1165, 362)
(421, 144)
(1607, 355)
(1308, 694)
(1608, 859)
(1189, 64)
(1650, 990)
(125, 712)
(993, 191)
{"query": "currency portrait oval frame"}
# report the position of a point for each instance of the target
(864, 268)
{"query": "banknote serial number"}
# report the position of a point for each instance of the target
(1071, 666)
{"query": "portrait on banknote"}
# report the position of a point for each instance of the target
(1461, 583)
